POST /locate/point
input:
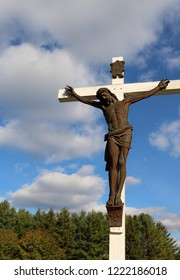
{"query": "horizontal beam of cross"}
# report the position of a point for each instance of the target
(129, 90)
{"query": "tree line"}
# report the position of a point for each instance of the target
(50, 235)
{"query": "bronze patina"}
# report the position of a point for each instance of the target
(117, 69)
(119, 136)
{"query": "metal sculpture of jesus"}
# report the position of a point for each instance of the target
(119, 134)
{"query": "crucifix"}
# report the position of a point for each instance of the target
(114, 101)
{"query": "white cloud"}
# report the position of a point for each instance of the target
(50, 142)
(30, 79)
(159, 140)
(35, 121)
(79, 190)
(87, 33)
(52, 189)
(170, 220)
(92, 28)
(151, 210)
(173, 62)
(130, 180)
(86, 170)
(167, 138)
(147, 76)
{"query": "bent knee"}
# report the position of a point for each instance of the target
(122, 162)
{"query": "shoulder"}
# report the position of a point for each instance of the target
(119, 103)
(127, 100)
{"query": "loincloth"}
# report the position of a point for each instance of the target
(121, 137)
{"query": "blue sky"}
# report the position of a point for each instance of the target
(52, 153)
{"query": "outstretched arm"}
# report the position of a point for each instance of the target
(162, 85)
(70, 91)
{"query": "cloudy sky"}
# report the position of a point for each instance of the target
(52, 152)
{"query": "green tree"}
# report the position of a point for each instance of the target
(64, 232)
(82, 236)
(98, 235)
(177, 255)
(169, 246)
(148, 240)
(39, 245)
(7, 215)
(92, 236)
(9, 246)
(39, 218)
(134, 249)
(24, 222)
(46, 220)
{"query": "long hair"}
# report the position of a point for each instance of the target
(100, 90)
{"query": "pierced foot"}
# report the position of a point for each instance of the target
(118, 201)
(110, 201)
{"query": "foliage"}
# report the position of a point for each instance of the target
(65, 231)
(79, 236)
(7, 215)
(24, 222)
(148, 240)
(91, 236)
(39, 245)
(9, 247)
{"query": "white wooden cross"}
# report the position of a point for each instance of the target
(121, 90)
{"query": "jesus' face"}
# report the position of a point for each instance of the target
(105, 97)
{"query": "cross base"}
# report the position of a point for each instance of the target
(115, 215)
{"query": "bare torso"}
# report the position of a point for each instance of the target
(116, 115)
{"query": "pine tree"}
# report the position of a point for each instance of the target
(80, 236)
(7, 215)
(91, 236)
(134, 249)
(148, 240)
(64, 232)
(24, 222)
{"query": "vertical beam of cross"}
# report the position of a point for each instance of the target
(121, 90)
(117, 233)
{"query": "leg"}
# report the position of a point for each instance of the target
(113, 158)
(122, 174)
